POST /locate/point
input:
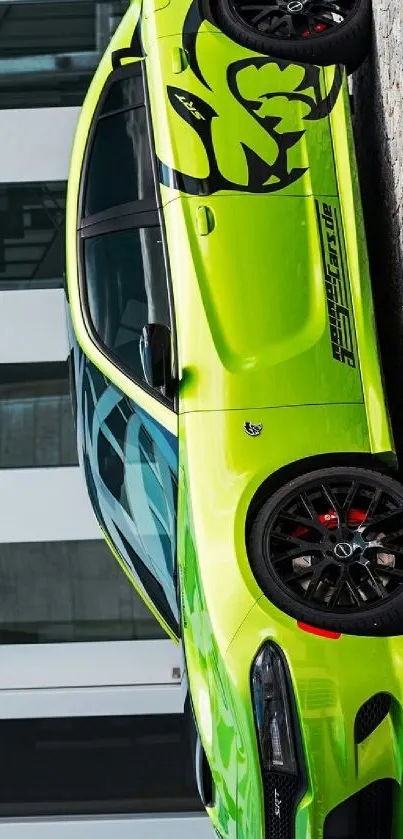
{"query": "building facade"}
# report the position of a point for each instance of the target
(93, 734)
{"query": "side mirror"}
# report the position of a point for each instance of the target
(155, 352)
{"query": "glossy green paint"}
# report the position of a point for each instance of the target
(264, 326)
(219, 590)
(360, 282)
(331, 679)
(225, 621)
(253, 345)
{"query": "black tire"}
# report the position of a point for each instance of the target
(375, 569)
(346, 43)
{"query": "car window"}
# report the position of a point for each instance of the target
(127, 288)
(125, 93)
(120, 168)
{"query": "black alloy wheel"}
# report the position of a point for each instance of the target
(311, 31)
(328, 549)
(294, 19)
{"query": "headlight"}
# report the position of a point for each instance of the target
(273, 712)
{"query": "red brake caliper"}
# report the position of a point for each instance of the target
(330, 520)
(319, 27)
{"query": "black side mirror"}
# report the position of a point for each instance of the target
(155, 352)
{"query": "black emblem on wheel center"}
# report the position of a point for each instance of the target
(343, 550)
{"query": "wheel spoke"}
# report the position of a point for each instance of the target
(264, 13)
(375, 582)
(385, 538)
(384, 521)
(296, 576)
(308, 505)
(288, 555)
(331, 7)
(272, 29)
(313, 585)
(332, 500)
(310, 524)
(318, 570)
(348, 502)
(389, 571)
(341, 582)
(376, 497)
(354, 594)
(258, 7)
(323, 18)
(303, 544)
(393, 549)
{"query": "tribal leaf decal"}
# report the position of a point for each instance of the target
(254, 111)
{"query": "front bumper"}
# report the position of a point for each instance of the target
(331, 680)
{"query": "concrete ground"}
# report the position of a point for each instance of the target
(378, 121)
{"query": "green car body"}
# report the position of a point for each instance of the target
(274, 327)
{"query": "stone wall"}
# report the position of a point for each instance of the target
(378, 121)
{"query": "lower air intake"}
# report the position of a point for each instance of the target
(370, 715)
(282, 794)
(366, 815)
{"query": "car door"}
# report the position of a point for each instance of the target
(128, 427)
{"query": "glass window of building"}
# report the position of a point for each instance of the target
(65, 592)
(50, 50)
(86, 765)
(32, 235)
(36, 420)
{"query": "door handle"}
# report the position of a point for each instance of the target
(205, 220)
(179, 60)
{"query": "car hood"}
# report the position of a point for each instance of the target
(264, 317)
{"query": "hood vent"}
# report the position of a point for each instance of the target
(370, 715)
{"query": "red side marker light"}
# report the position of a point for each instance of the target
(314, 630)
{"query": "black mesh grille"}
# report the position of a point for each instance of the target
(366, 815)
(370, 715)
(282, 793)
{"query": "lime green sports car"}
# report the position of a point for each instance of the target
(229, 403)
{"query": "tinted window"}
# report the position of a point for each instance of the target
(130, 764)
(127, 288)
(36, 423)
(50, 50)
(125, 93)
(64, 592)
(120, 168)
(32, 235)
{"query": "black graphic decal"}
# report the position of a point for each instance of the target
(190, 31)
(263, 177)
(324, 105)
(336, 284)
(197, 113)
